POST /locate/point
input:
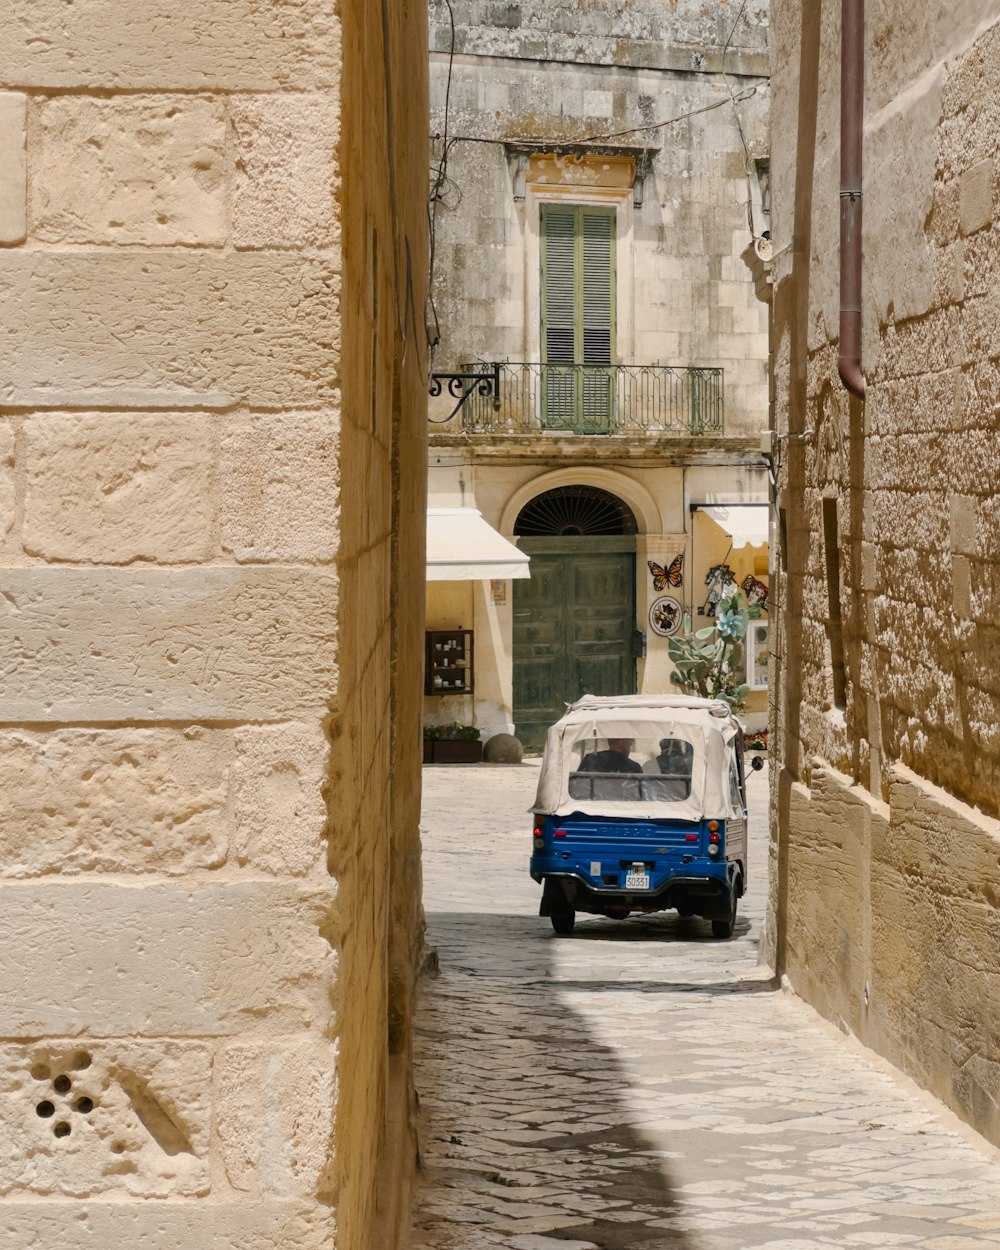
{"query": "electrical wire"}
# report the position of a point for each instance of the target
(748, 160)
(438, 182)
(573, 141)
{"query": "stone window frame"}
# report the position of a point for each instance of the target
(580, 182)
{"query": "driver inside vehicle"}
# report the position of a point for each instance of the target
(615, 769)
(615, 759)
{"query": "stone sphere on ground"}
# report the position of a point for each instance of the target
(503, 749)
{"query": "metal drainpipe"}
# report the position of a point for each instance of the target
(852, 106)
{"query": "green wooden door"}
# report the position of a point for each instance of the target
(573, 625)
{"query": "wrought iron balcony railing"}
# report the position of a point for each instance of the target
(524, 398)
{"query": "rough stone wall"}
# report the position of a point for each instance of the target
(684, 35)
(208, 912)
(886, 884)
(563, 73)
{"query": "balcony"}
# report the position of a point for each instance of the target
(532, 399)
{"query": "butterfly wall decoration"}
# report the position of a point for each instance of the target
(672, 575)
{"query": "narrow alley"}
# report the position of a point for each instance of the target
(641, 1086)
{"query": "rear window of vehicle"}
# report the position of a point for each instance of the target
(632, 770)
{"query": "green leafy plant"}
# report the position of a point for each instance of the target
(453, 732)
(707, 660)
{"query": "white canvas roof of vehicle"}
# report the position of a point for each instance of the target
(707, 724)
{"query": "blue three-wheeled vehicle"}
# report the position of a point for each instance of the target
(641, 807)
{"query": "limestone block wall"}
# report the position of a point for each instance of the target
(571, 73)
(211, 474)
(886, 850)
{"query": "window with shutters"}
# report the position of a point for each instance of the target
(578, 318)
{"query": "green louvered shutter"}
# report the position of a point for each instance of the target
(578, 317)
(558, 316)
(596, 246)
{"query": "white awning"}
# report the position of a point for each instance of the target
(745, 523)
(462, 547)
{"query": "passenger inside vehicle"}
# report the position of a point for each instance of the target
(672, 769)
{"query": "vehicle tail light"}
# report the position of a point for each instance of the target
(714, 837)
(538, 831)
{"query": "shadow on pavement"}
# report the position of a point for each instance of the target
(528, 1131)
(662, 926)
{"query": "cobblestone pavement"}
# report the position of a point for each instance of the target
(639, 1086)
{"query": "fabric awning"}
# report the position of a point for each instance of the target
(745, 523)
(462, 547)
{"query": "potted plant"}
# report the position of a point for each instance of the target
(452, 744)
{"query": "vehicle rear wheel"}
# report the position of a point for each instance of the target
(563, 921)
(726, 928)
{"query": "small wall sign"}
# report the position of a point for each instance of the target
(665, 616)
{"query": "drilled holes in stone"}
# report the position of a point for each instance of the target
(62, 1084)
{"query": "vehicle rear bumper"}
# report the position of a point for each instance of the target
(704, 892)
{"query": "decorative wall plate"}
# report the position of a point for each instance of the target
(665, 616)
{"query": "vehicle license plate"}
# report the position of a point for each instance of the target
(637, 880)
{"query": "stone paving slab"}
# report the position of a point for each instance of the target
(641, 1086)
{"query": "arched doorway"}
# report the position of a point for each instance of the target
(574, 618)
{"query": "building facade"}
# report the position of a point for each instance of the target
(212, 421)
(884, 910)
(598, 176)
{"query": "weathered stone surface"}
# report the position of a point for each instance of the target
(274, 1117)
(113, 800)
(899, 270)
(216, 643)
(112, 488)
(164, 750)
(230, 44)
(976, 192)
(279, 812)
(13, 167)
(286, 170)
(165, 1226)
(685, 35)
(145, 1131)
(7, 481)
(887, 912)
(168, 330)
(134, 169)
(280, 480)
(162, 961)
